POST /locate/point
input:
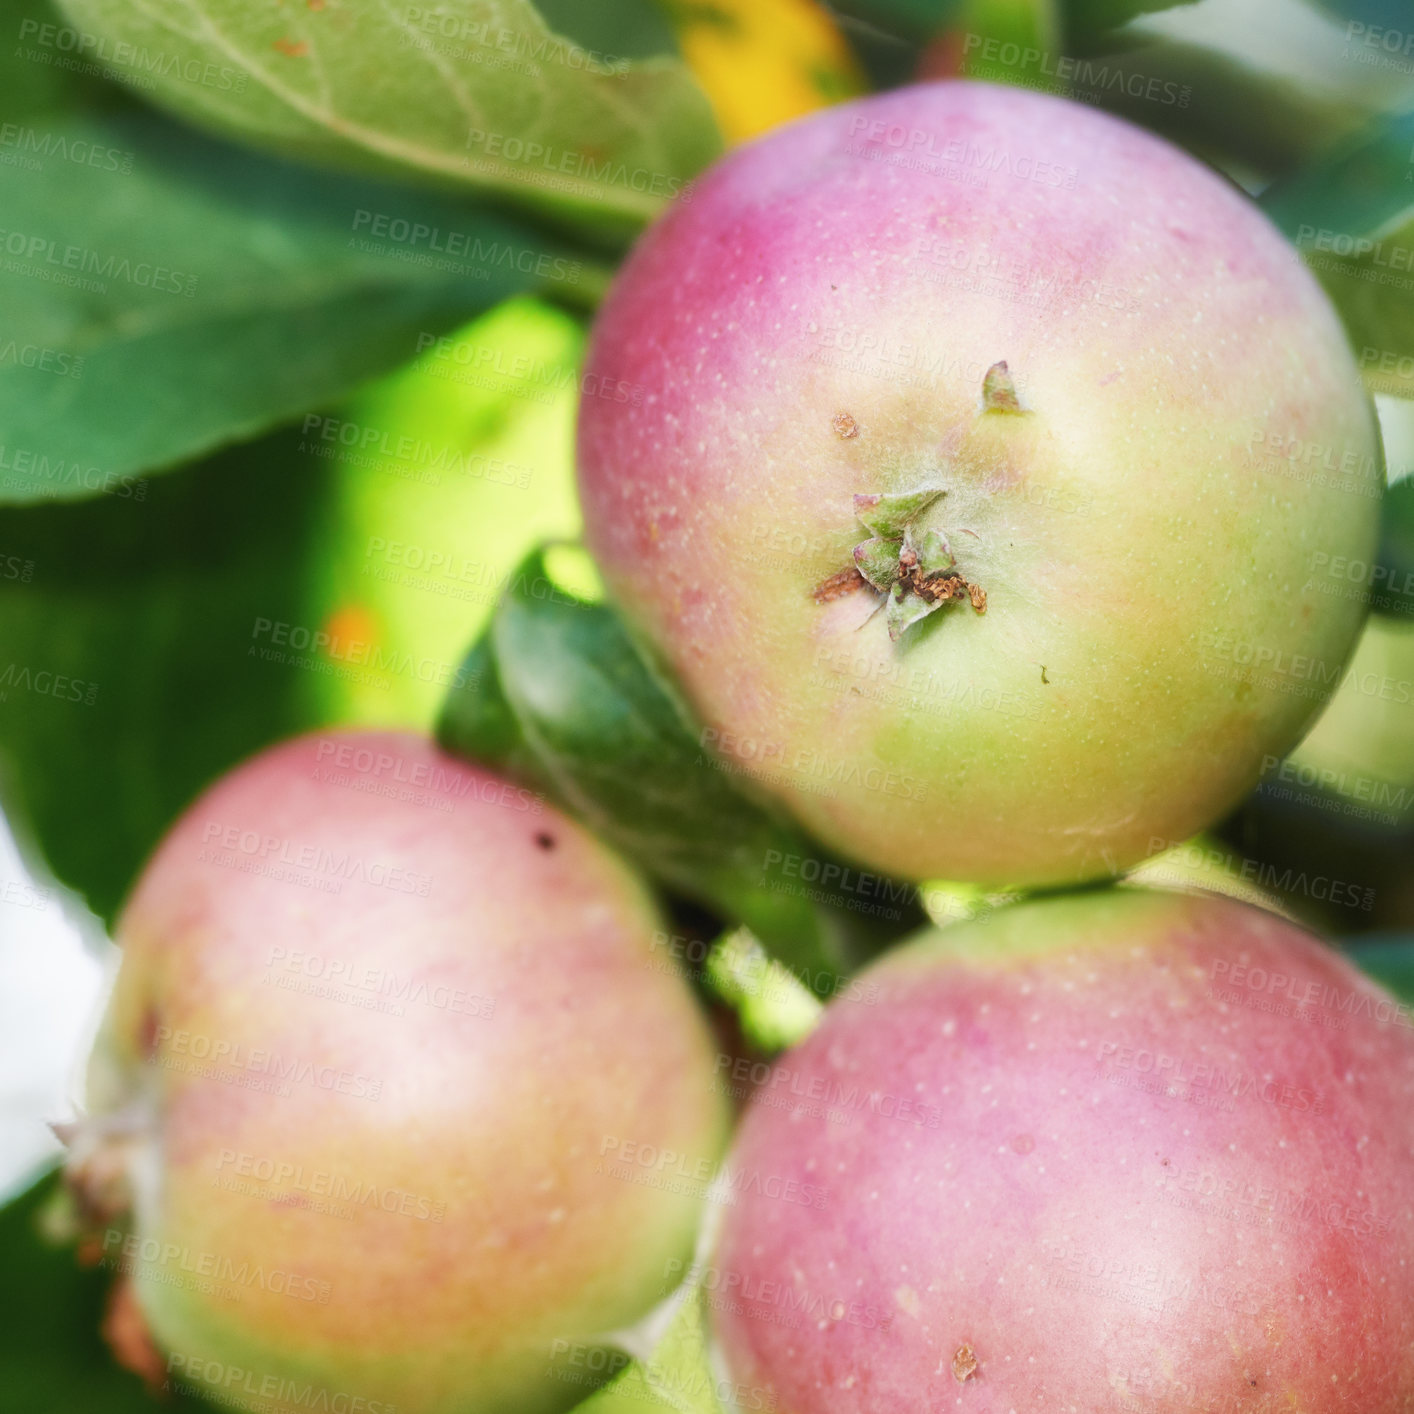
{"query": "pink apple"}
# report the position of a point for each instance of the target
(383, 1027)
(978, 449)
(1127, 1151)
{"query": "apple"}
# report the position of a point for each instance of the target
(979, 450)
(384, 1030)
(1127, 1150)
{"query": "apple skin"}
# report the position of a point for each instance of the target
(1193, 433)
(481, 1115)
(1241, 1245)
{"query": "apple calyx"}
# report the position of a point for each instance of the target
(999, 391)
(916, 572)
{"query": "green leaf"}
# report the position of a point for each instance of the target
(1352, 218)
(618, 29)
(1088, 19)
(1356, 191)
(1392, 586)
(1376, 14)
(889, 514)
(477, 93)
(1390, 961)
(877, 561)
(934, 556)
(677, 1377)
(140, 651)
(52, 1357)
(558, 694)
(169, 294)
(906, 609)
(774, 1010)
(910, 21)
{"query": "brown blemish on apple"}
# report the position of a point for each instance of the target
(964, 1364)
(845, 425)
(294, 48)
(839, 584)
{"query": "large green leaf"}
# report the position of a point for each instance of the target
(141, 651)
(52, 1357)
(1352, 217)
(478, 93)
(162, 294)
(557, 693)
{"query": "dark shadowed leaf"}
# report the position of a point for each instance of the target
(134, 671)
(558, 694)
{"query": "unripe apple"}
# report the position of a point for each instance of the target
(974, 451)
(1126, 1151)
(383, 1028)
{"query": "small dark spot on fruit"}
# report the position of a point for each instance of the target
(545, 841)
(1022, 1143)
(1044, 678)
(845, 425)
(147, 1034)
(1164, 1162)
(964, 1364)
